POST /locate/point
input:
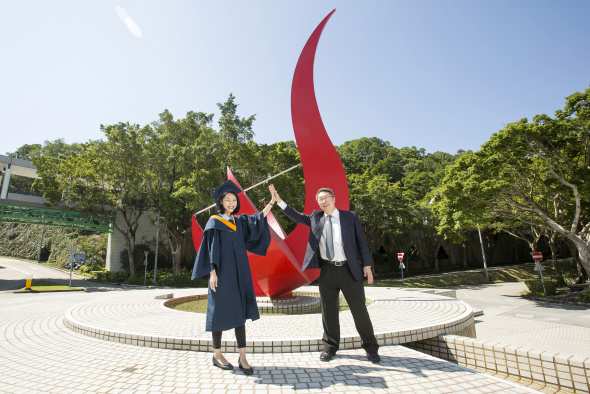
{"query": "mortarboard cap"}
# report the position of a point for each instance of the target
(227, 186)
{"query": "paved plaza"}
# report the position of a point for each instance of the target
(40, 353)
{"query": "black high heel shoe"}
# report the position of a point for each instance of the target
(247, 371)
(225, 367)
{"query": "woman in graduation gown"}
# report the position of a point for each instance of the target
(223, 259)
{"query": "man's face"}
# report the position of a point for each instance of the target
(326, 202)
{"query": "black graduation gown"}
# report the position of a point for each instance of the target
(225, 249)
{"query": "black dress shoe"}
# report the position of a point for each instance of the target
(327, 356)
(225, 367)
(247, 371)
(373, 357)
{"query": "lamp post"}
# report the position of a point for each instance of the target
(483, 253)
(146, 264)
(157, 245)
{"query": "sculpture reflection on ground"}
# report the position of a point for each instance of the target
(279, 272)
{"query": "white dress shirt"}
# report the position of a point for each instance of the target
(336, 234)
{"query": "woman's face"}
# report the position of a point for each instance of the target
(229, 203)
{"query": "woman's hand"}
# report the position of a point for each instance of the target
(213, 280)
(274, 193)
(266, 209)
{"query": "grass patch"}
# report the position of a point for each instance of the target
(458, 279)
(45, 285)
(200, 306)
(514, 274)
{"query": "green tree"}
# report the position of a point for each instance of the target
(186, 159)
(532, 174)
(105, 178)
(372, 156)
(26, 152)
(178, 153)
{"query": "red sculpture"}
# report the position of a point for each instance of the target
(279, 272)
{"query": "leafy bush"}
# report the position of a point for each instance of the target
(138, 280)
(584, 296)
(536, 286)
(183, 280)
(571, 278)
(164, 259)
(108, 276)
(86, 269)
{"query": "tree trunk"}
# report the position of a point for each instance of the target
(464, 255)
(584, 254)
(583, 251)
(436, 258)
(576, 261)
(130, 241)
(129, 231)
(176, 242)
(553, 246)
(177, 258)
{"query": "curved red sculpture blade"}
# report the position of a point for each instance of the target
(279, 272)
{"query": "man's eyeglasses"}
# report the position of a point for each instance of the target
(322, 199)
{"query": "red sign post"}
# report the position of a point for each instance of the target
(400, 257)
(538, 257)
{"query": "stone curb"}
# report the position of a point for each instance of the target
(459, 321)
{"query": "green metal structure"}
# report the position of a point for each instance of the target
(14, 213)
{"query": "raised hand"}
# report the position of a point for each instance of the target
(274, 193)
(266, 209)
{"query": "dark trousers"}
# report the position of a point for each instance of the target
(240, 337)
(332, 280)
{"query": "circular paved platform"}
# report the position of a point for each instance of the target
(138, 318)
(41, 355)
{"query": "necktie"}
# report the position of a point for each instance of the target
(329, 239)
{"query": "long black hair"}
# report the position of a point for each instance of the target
(220, 208)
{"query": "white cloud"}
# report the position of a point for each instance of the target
(128, 21)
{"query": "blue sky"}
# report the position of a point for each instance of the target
(439, 75)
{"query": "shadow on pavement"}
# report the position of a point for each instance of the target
(353, 374)
(11, 284)
(559, 305)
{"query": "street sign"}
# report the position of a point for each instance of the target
(79, 257)
(537, 256)
(400, 256)
(538, 267)
(402, 265)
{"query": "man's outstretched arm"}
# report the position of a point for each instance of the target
(292, 214)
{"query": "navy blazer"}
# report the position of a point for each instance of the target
(354, 242)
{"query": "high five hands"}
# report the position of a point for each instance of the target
(274, 193)
(266, 209)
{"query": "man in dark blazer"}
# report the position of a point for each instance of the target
(338, 246)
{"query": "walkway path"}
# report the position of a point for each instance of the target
(40, 354)
(512, 320)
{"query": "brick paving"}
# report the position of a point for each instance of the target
(140, 318)
(39, 353)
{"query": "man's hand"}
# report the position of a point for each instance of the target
(213, 280)
(368, 274)
(274, 193)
